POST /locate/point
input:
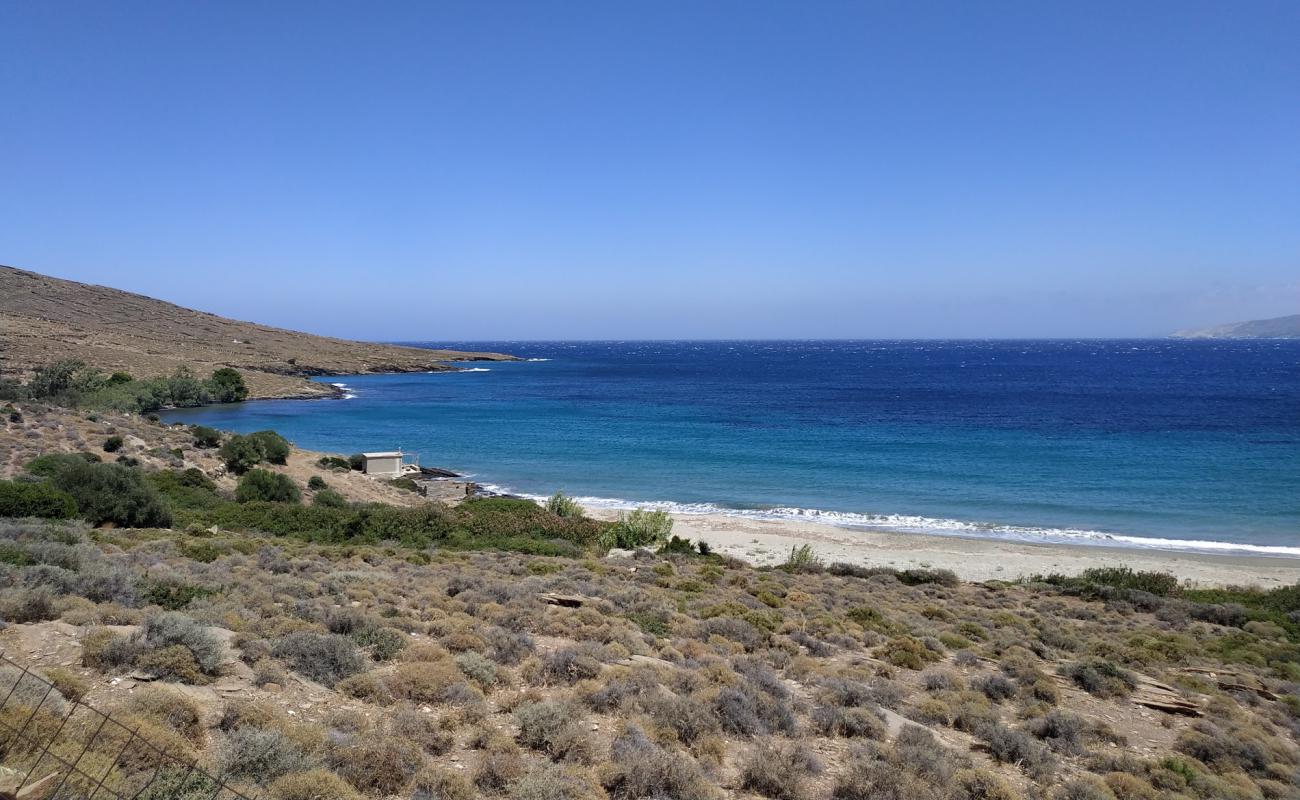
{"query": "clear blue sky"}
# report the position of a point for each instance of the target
(662, 169)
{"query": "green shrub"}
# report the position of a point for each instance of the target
(316, 483)
(328, 498)
(35, 500)
(240, 454)
(113, 443)
(638, 528)
(333, 463)
(112, 493)
(356, 462)
(275, 448)
(204, 436)
(561, 505)
(266, 486)
(227, 386)
(802, 559)
(47, 466)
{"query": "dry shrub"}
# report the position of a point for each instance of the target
(170, 707)
(639, 768)
(317, 784)
(437, 783)
(499, 766)
(365, 686)
(325, 658)
(67, 683)
(423, 681)
(848, 722)
(555, 728)
(554, 782)
(380, 765)
(570, 665)
(778, 770)
(261, 755)
(407, 722)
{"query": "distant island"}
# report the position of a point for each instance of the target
(1276, 328)
(44, 319)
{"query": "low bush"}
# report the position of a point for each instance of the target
(562, 505)
(19, 499)
(995, 687)
(570, 665)
(779, 770)
(317, 784)
(171, 708)
(274, 447)
(638, 528)
(325, 658)
(406, 722)
(112, 493)
(378, 765)
(205, 437)
(1008, 746)
(848, 722)
(316, 483)
(553, 782)
(260, 755)
(639, 768)
(266, 486)
(1100, 677)
(113, 443)
(438, 783)
(554, 728)
(172, 629)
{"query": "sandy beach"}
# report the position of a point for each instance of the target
(769, 542)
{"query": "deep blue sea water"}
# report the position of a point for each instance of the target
(1149, 443)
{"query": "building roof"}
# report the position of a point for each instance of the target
(392, 454)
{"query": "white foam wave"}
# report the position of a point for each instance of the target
(339, 385)
(536, 359)
(906, 523)
(349, 396)
(475, 369)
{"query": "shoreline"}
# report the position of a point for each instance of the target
(768, 542)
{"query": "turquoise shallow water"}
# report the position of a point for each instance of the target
(1146, 443)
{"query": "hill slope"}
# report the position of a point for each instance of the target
(1276, 328)
(44, 319)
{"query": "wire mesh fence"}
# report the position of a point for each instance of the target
(56, 748)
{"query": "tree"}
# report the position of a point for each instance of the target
(240, 453)
(204, 436)
(112, 493)
(275, 448)
(261, 484)
(53, 380)
(183, 389)
(227, 386)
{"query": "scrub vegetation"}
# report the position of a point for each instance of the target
(493, 648)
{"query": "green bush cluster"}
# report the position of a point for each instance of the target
(638, 528)
(18, 499)
(242, 453)
(74, 384)
(263, 485)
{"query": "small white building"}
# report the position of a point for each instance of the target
(383, 465)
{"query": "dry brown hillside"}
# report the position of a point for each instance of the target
(44, 319)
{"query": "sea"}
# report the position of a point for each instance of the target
(1164, 444)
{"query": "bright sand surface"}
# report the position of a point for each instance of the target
(769, 542)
